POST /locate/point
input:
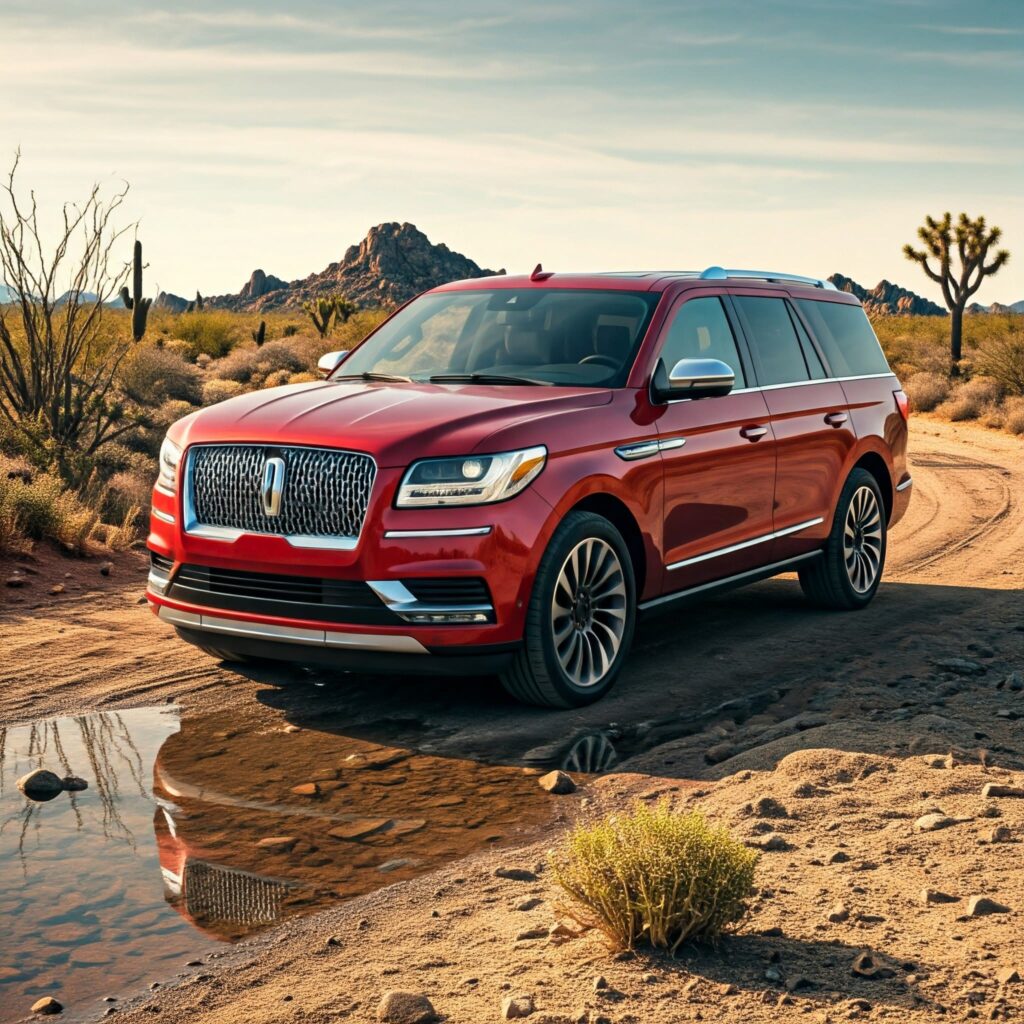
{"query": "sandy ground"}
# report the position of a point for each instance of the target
(845, 721)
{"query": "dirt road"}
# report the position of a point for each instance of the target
(956, 564)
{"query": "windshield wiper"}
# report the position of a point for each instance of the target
(483, 378)
(392, 377)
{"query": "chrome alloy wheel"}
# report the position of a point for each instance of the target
(862, 540)
(588, 611)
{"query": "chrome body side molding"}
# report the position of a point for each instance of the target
(719, 552)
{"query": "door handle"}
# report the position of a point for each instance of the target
(754, 433)
(836, 419)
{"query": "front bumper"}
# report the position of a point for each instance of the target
(499, 544)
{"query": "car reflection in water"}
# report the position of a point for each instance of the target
(256, 824)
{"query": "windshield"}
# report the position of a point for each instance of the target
(584, 338)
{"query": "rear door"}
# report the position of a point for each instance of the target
(809, 418)
(718, 456)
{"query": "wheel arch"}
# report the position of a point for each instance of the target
(876, 465)
(618, 514)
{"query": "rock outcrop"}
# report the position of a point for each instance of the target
(388, 267)
(888, 299)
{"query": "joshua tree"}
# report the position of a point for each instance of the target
(58, 357)
(260, 334)
(969, 242)
(343, 309)
(321, 311)
(135, 302)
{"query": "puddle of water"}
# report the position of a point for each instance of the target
(208, 829)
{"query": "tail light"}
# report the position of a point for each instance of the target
(903, 404)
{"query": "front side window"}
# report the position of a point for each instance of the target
(575, 338)
(780, 360)
(846, 337)
(701, 330)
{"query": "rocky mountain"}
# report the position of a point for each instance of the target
(887, 298)
(996, 307)
(388, 267)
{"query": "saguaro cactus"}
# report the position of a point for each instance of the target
(260, 334)
(135, 302)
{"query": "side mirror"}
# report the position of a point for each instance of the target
(693, 378)
(329, 362)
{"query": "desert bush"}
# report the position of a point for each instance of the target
(1013, 415)
(656, 876)
(127, 495)
(218, 390)
(36, 505)
(290, 330)
(305, 377)
(926, 390)
(971, 399)
(203, 360)
(251, 365)
(151, 376)
(1001, 356)
(214, 332)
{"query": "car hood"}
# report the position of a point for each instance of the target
(394, 423)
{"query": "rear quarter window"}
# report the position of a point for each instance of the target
(845, 335)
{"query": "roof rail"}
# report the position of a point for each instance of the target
(718, 274)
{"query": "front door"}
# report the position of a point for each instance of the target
(720, 476)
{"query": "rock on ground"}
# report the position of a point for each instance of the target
(405, 1008)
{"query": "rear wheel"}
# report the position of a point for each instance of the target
(848, 575)
(581, 618)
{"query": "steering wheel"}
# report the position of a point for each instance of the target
(609, 361)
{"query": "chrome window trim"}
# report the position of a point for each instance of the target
(645, 449)
(905, 484)
(229, 535)
(391, 642)
(469, 531)
(719, 552)
(792, 384)
(164, 517)
(724, 274)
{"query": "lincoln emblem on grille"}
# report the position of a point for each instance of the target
(273, 484)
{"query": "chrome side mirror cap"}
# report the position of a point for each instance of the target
(329, 362)
(694, 378)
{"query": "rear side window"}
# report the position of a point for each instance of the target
(701, 330)
(780, 360)
(846, 337)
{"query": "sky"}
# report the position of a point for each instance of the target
(803, 135)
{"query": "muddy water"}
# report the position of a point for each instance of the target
(205, 830)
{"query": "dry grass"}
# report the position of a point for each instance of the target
(926, 390)
(36, 506)
(656, 876)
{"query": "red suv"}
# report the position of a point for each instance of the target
(506, 472)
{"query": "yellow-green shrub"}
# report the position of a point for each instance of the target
(656, 876)
(218, 390)
(926, 390)
(151, 376)
(37, 506)
(213, 331)
(971, 399)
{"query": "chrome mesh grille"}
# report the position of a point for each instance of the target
(325, 492)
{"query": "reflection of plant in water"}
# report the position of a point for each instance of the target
(110, 751)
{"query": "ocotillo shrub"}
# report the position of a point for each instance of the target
(655, 876)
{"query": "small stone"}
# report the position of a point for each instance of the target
(358, 829)
(1007, 976)
(105, 568)
(47, 1005)
(277, 844)
(1000, 834)
(937, 896)
(797, 982)
(729, 990)
(768, 807)
(1014, 681)
(57, 588)
(307, 789)
(857, 1004)
(333, 940)
(600, 982)
(772, 843)
(394, 865)
(784, 1000)
(961, 666)
(16, 581)
(531, 934)
(514, 1007)
(73, 784)
(40, 785)
(933, 822)
(557, 782)
(405, 1008)
(837, 857)
(530, 904)
(993, 789)
(719, 752)
(516, 874)
(980, 906)
(838, 914)
(773, 974)
(649, 978)
(293, 728)
(867, 965)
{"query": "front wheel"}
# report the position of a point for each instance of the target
(848, 574)
(581, 618)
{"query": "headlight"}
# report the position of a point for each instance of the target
(170, 457)
(471, 480)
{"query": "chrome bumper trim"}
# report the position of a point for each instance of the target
(291, 634)
(905, 484)
(404, 604)
(469, 531)
(158, 583)
(164, 517)
(719, 552)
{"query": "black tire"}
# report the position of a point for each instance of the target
(829, 582)
(536, 675)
